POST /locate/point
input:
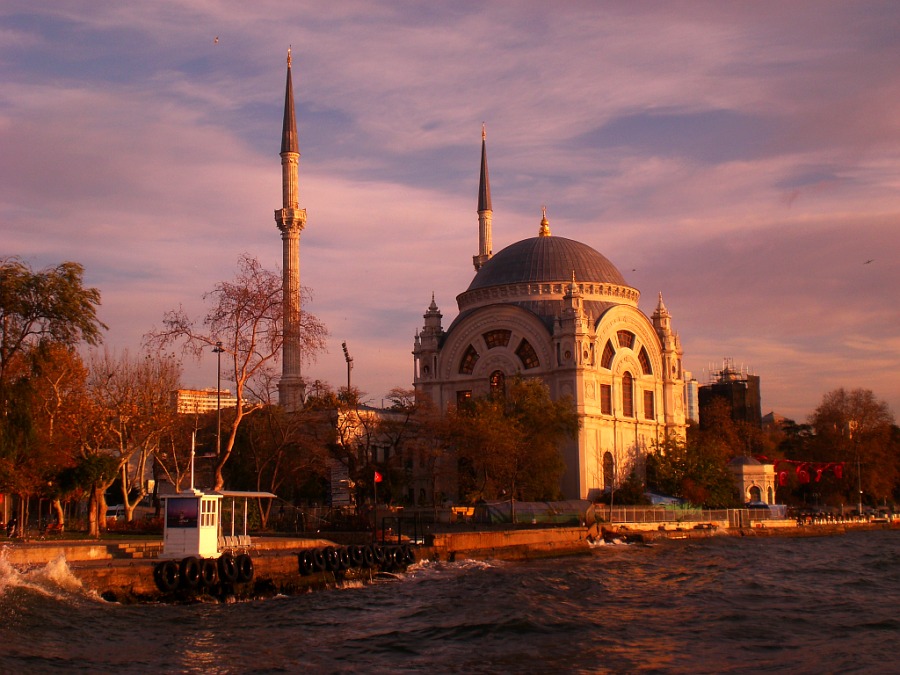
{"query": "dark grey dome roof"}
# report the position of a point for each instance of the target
(546, 259)
(745, 460)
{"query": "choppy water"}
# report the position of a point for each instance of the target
(806, 605)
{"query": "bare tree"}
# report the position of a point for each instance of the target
(246, 316)
(136, 395)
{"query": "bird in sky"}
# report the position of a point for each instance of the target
(870, 260)
(216, 41)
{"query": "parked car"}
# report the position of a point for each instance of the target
(115, 512)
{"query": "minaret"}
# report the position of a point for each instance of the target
(485, 213)
(291, 220)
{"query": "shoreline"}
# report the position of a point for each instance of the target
(123, 571)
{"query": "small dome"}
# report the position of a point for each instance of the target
(745, 460)
(546, 259)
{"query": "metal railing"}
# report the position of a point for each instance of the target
(676, 516)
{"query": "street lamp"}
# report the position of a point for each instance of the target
(218, 352)
(349, 360)
(853, 425)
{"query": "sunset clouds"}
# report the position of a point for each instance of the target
(742, 158)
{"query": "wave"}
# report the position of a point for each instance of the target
(52, 580)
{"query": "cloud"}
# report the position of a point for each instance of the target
(743, 159)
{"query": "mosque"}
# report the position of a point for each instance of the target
(546, 307)
(556, 309)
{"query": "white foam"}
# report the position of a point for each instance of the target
(54, 579)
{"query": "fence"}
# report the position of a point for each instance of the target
(661, 515)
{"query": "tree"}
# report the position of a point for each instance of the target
(50, 305)
(416, 438)
(509, 443)
(856, 428)
(37, 310)
(246, 316)
(278, 451)
(695, 470)
(58, 385)
(135, 395)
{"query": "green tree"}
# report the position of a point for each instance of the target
(509, 444)
(856, 428)
(50, 305)
(695, 470)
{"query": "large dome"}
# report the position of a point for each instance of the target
(546, 259)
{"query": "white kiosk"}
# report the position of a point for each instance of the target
(191, 526)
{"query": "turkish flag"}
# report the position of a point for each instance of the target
(378, 477)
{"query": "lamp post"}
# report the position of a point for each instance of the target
(853, 425)
(218, 352)
(349, 360)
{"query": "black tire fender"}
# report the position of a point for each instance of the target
(245, 568)
(318, 558)
(306, 563)
(209, 572)
(227, 568)
(345, 557)
(190, 572)
(167, 576)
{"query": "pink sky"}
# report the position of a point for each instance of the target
(742, 158)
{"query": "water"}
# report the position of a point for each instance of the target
(724, 604)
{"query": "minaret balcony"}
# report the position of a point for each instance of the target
(289, 217)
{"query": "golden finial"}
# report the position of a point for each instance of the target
(289, 56)
(545, 224)
(483, 135)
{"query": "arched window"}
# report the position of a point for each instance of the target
(497, 338)
(627, 395)
(498, 383)
(608, 354)
(469, 359)
(609, 469)
(527, 354)
(755, 494)
(644, 360)
(625, 338)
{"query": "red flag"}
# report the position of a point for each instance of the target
(378, 477)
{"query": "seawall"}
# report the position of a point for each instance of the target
(124, 571)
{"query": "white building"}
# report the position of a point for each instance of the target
(557, 309)
(199, 401)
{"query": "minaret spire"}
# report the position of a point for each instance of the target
(485, 212)
(291, 220)
(289, 141)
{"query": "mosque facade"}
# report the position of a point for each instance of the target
(556, 309)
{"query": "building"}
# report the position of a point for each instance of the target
(738, 389)
(199, 401)
(691, 397)
(291, 220)
(556, 309)
(755, 481)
